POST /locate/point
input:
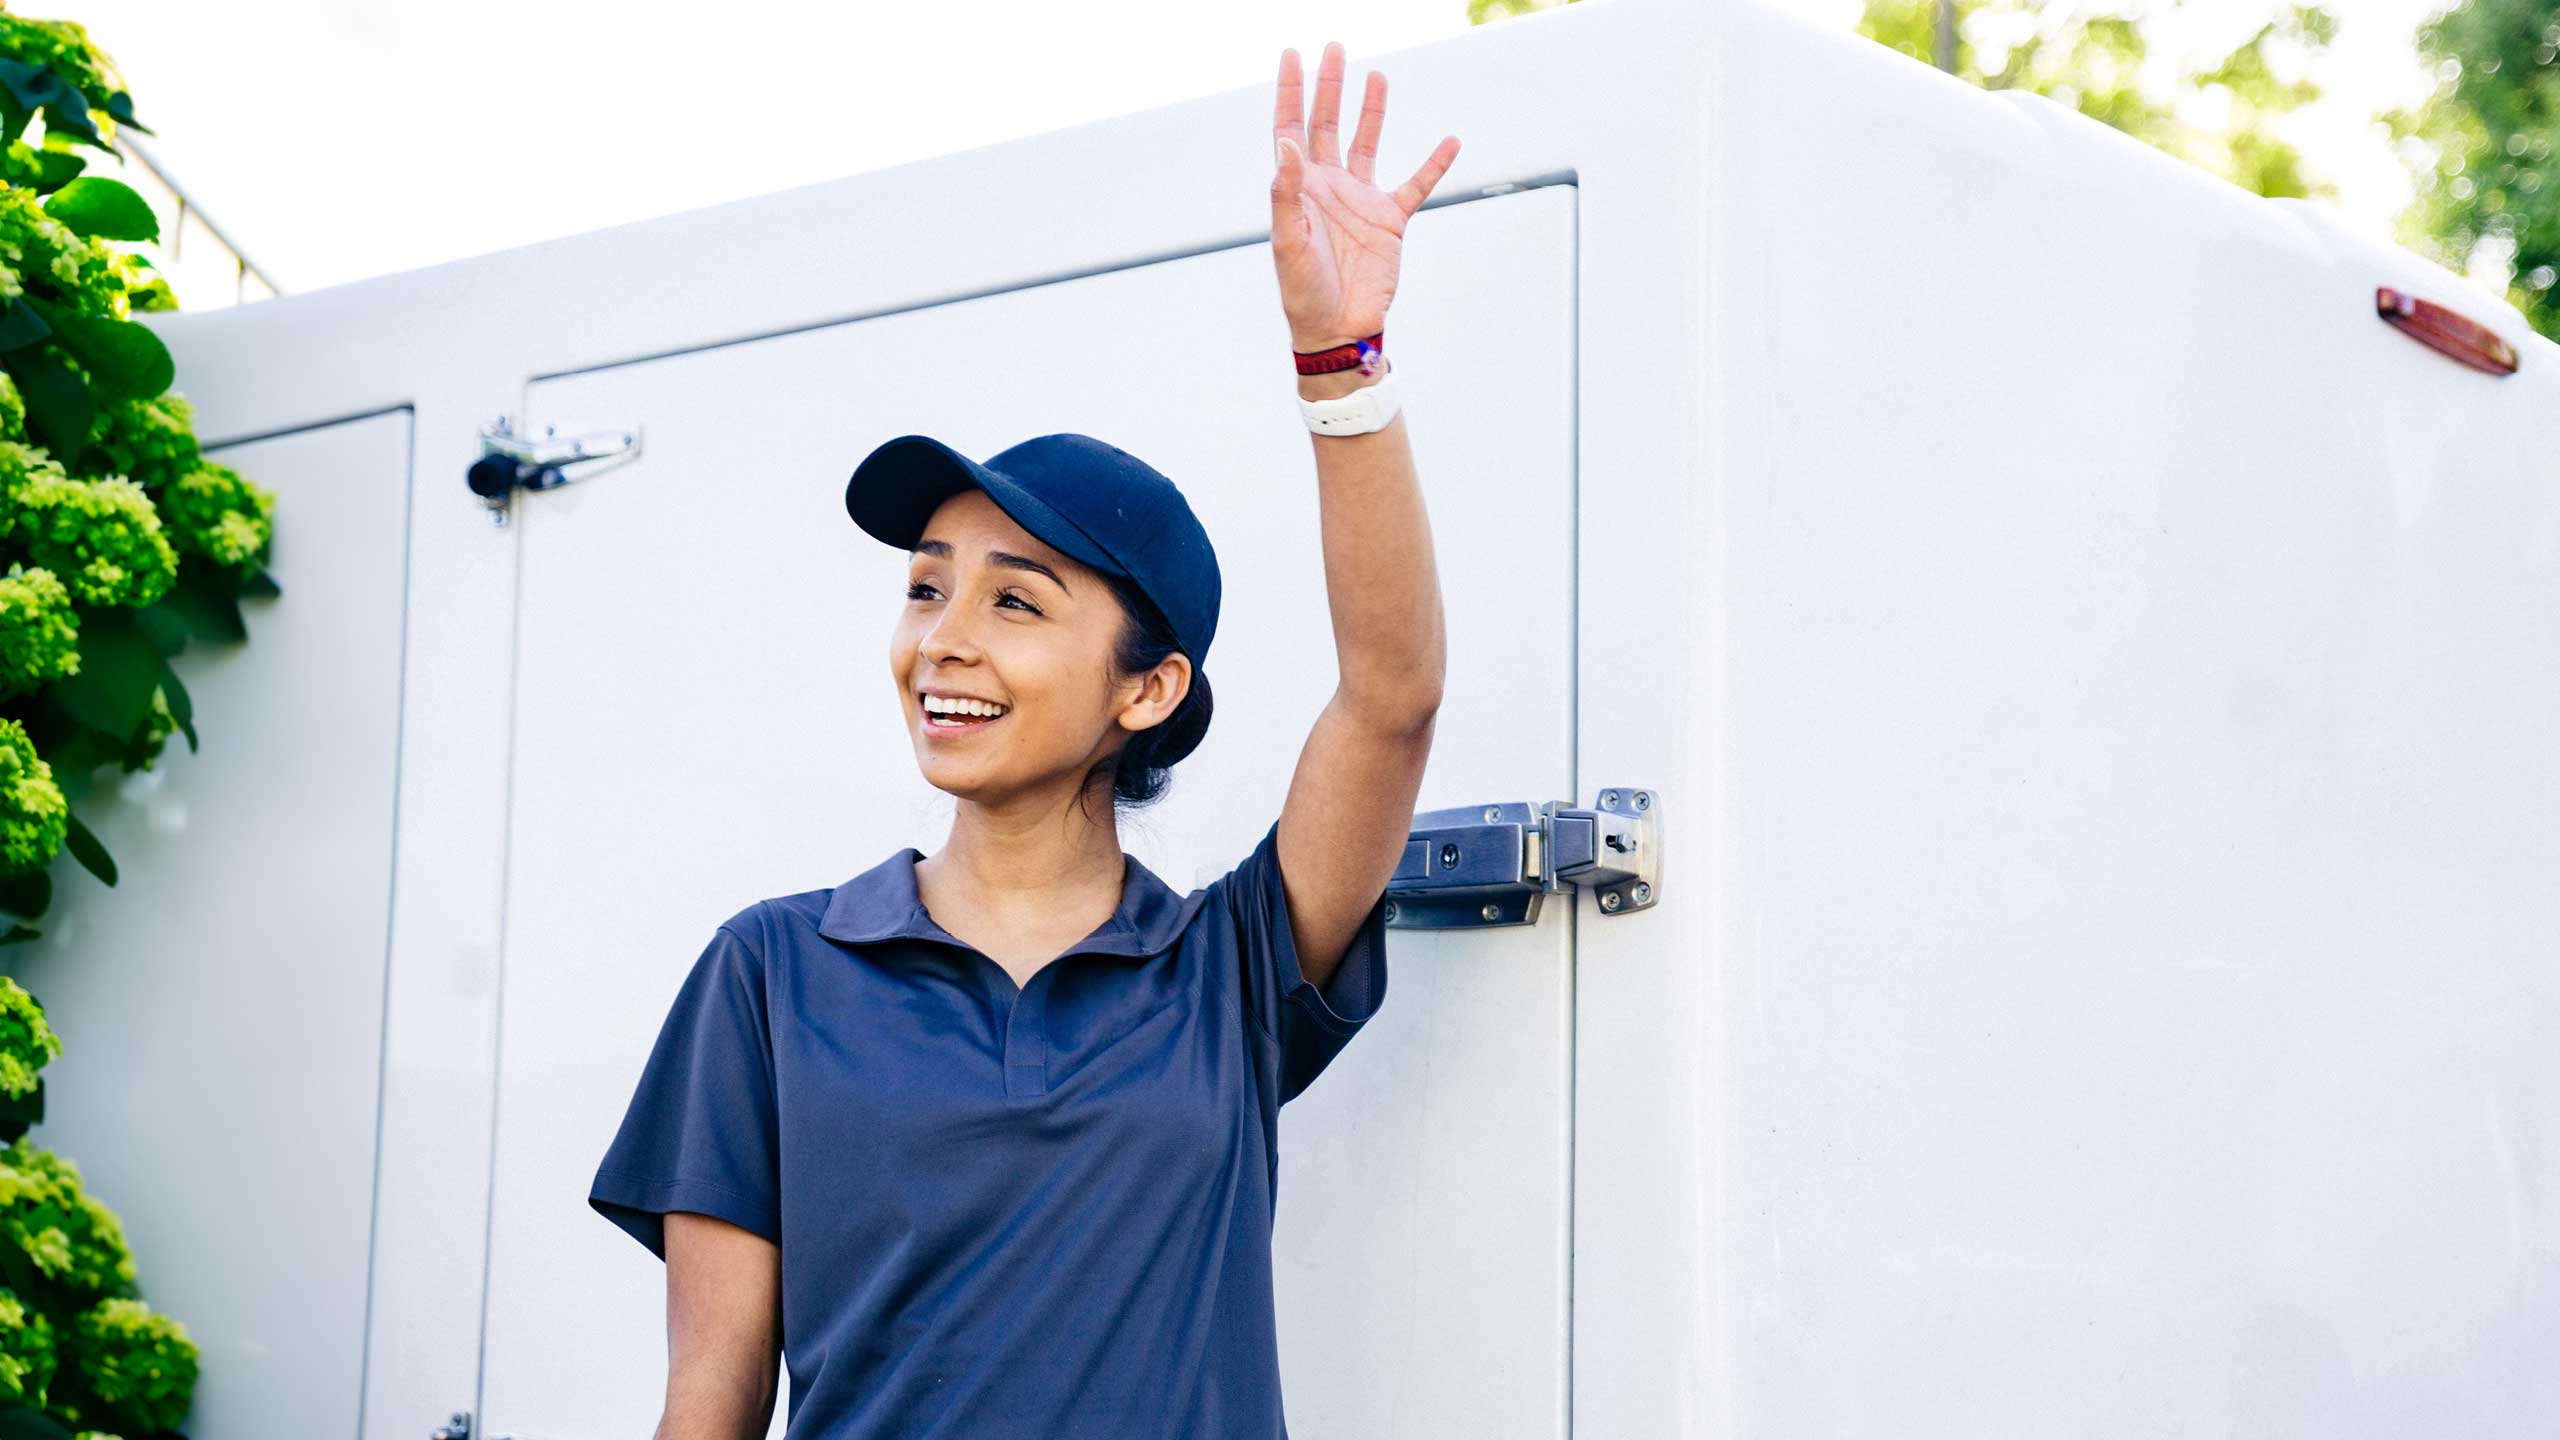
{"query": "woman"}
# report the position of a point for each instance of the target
(984, 1143)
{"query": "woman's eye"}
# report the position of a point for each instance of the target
(920, 590)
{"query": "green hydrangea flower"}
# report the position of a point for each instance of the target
(102, 537)
(27, 1042)
(153, 296)
(34, 816)
(137, 1367)
(26, 1351)
(19, 165)
(219, 513)
(46, 1213)
(153, 442)
(85, 273)
(13, 409)
(39, 630)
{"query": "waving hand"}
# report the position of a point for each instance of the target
(1336, 238)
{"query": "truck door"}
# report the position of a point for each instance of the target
(704, 716)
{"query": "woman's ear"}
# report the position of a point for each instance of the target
(1161, 691)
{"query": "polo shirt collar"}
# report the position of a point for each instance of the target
(881, 904)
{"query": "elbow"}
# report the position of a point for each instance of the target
(1405, 714)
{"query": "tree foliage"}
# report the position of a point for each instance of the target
(2479, 149)
(2091, 58)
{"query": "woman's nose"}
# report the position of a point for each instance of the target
(950, 633)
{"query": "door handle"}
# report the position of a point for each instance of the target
(1477, 865)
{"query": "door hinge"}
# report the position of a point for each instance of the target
(457, 1428)
(1477, 865)
(509, 463)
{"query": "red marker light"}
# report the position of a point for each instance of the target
(2465, 339)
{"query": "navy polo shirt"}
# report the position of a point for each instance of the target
(1036, 1212)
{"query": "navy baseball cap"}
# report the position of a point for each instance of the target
(1093, 501)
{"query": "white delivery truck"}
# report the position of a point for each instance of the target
(2077, 680)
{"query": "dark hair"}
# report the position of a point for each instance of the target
(1143, 768)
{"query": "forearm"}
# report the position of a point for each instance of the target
(1381, 581)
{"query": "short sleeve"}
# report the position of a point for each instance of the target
(1307, 1025)
(701, 1133)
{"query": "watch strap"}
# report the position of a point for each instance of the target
(1366, 409)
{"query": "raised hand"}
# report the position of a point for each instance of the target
(1336, 238)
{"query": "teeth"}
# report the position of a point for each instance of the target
(935, 704)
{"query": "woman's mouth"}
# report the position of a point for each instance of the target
(942, 723)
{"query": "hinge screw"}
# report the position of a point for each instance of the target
(1491, 912)
(1644, 892)
(1644, 798)
(1491, 814)
(1609, 900)
(1608, 799)
(1391, 912)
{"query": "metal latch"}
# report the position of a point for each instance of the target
(1478, 865)
(508, 463)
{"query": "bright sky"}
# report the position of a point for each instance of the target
(339, 139)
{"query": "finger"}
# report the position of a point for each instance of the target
(1413, 192)
(1326, 121)
(1289, 111)
(1373, 117)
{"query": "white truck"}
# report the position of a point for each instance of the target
(2086, 668)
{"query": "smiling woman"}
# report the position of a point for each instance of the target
(993, 1132)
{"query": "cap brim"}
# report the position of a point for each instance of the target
(898, 486)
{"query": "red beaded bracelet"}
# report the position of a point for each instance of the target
(1360, 354)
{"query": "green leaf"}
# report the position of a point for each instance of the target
(56, 168)
(58, 403)
(162, 625)
(22, 1422)
(261, 584)
(104, 209)
(182, 706)
(119, 669)
(18, 1113)
(91, 852)
(20, 325)
(27, 892)
(20, 934)
(124, 358)
(120, 107)
(201, 603)
(65, 108)
(32, 86)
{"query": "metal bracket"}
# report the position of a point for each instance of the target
(508, 463)
(1478, 865)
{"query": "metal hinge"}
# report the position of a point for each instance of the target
(508, 463)
(457, 1428)
(1477, 865)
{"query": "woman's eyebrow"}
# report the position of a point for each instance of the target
(1007, 559)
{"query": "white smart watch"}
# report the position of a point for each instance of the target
(1368, 408)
